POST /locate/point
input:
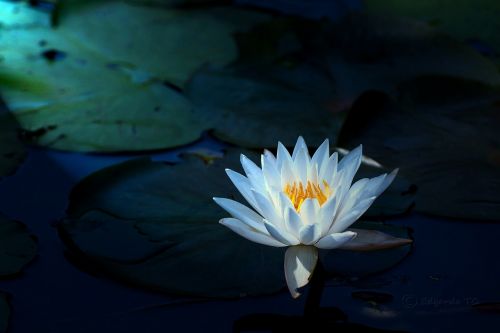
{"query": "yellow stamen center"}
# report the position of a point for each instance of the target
(297, 193)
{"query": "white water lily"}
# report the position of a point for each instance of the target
(302, 202)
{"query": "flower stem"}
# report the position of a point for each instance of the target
(316, 287)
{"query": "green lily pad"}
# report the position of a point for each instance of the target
(110, 93)
(442, 133)
(465, 20)
(363, 51)
(298, 77)
(12, 151)
(78, 112)
(155, 225)
(4, 312)
(165, 43)
(17, 247)
(22, 15)
(371, 52)
(255, 106)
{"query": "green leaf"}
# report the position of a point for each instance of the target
(254, 106)
(12, 151)
(17, 247)
(4, 312)
(82, 113)
(465, 20)
(155, 225)
(378, 52)
(442, 132)
(363, 52)
(22, 15)
(165, 43)
(298, 77)
(114, 91)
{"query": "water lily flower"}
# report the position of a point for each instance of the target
(302, 202)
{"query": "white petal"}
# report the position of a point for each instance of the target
(254, 174)
(244, 187)
(356, 193)
(270, 156)
(281, 235)
(350, 164)
(387, 182)
(309, 211)
(336, 240)
(299, 145)
(345, 219)
(293, 222)
(300, 262)
(242, 213)
(328, 170)
(300, 164)
(288, 175)
(243, 230)
(351, 159)
(312, 174)
(359, 187)
(270, 173)
(327, 214)
(321, 155)
(282, 155)
(268, 210)
(309, 234)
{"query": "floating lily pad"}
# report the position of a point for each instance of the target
(4, 312)
(164, 43)
(12, 151)
(114, 91)
(22, 15)
(443, 134)
(474, 22)
(362, 52)
(17, 247)
(298, 77)
(377, 52)
(78, 112)
(155, 225)
(253, 107)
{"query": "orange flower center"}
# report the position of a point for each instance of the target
(297, 193)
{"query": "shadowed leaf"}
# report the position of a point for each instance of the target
(441, 132)
(117, 88)
(17, 247)
(12, 151)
